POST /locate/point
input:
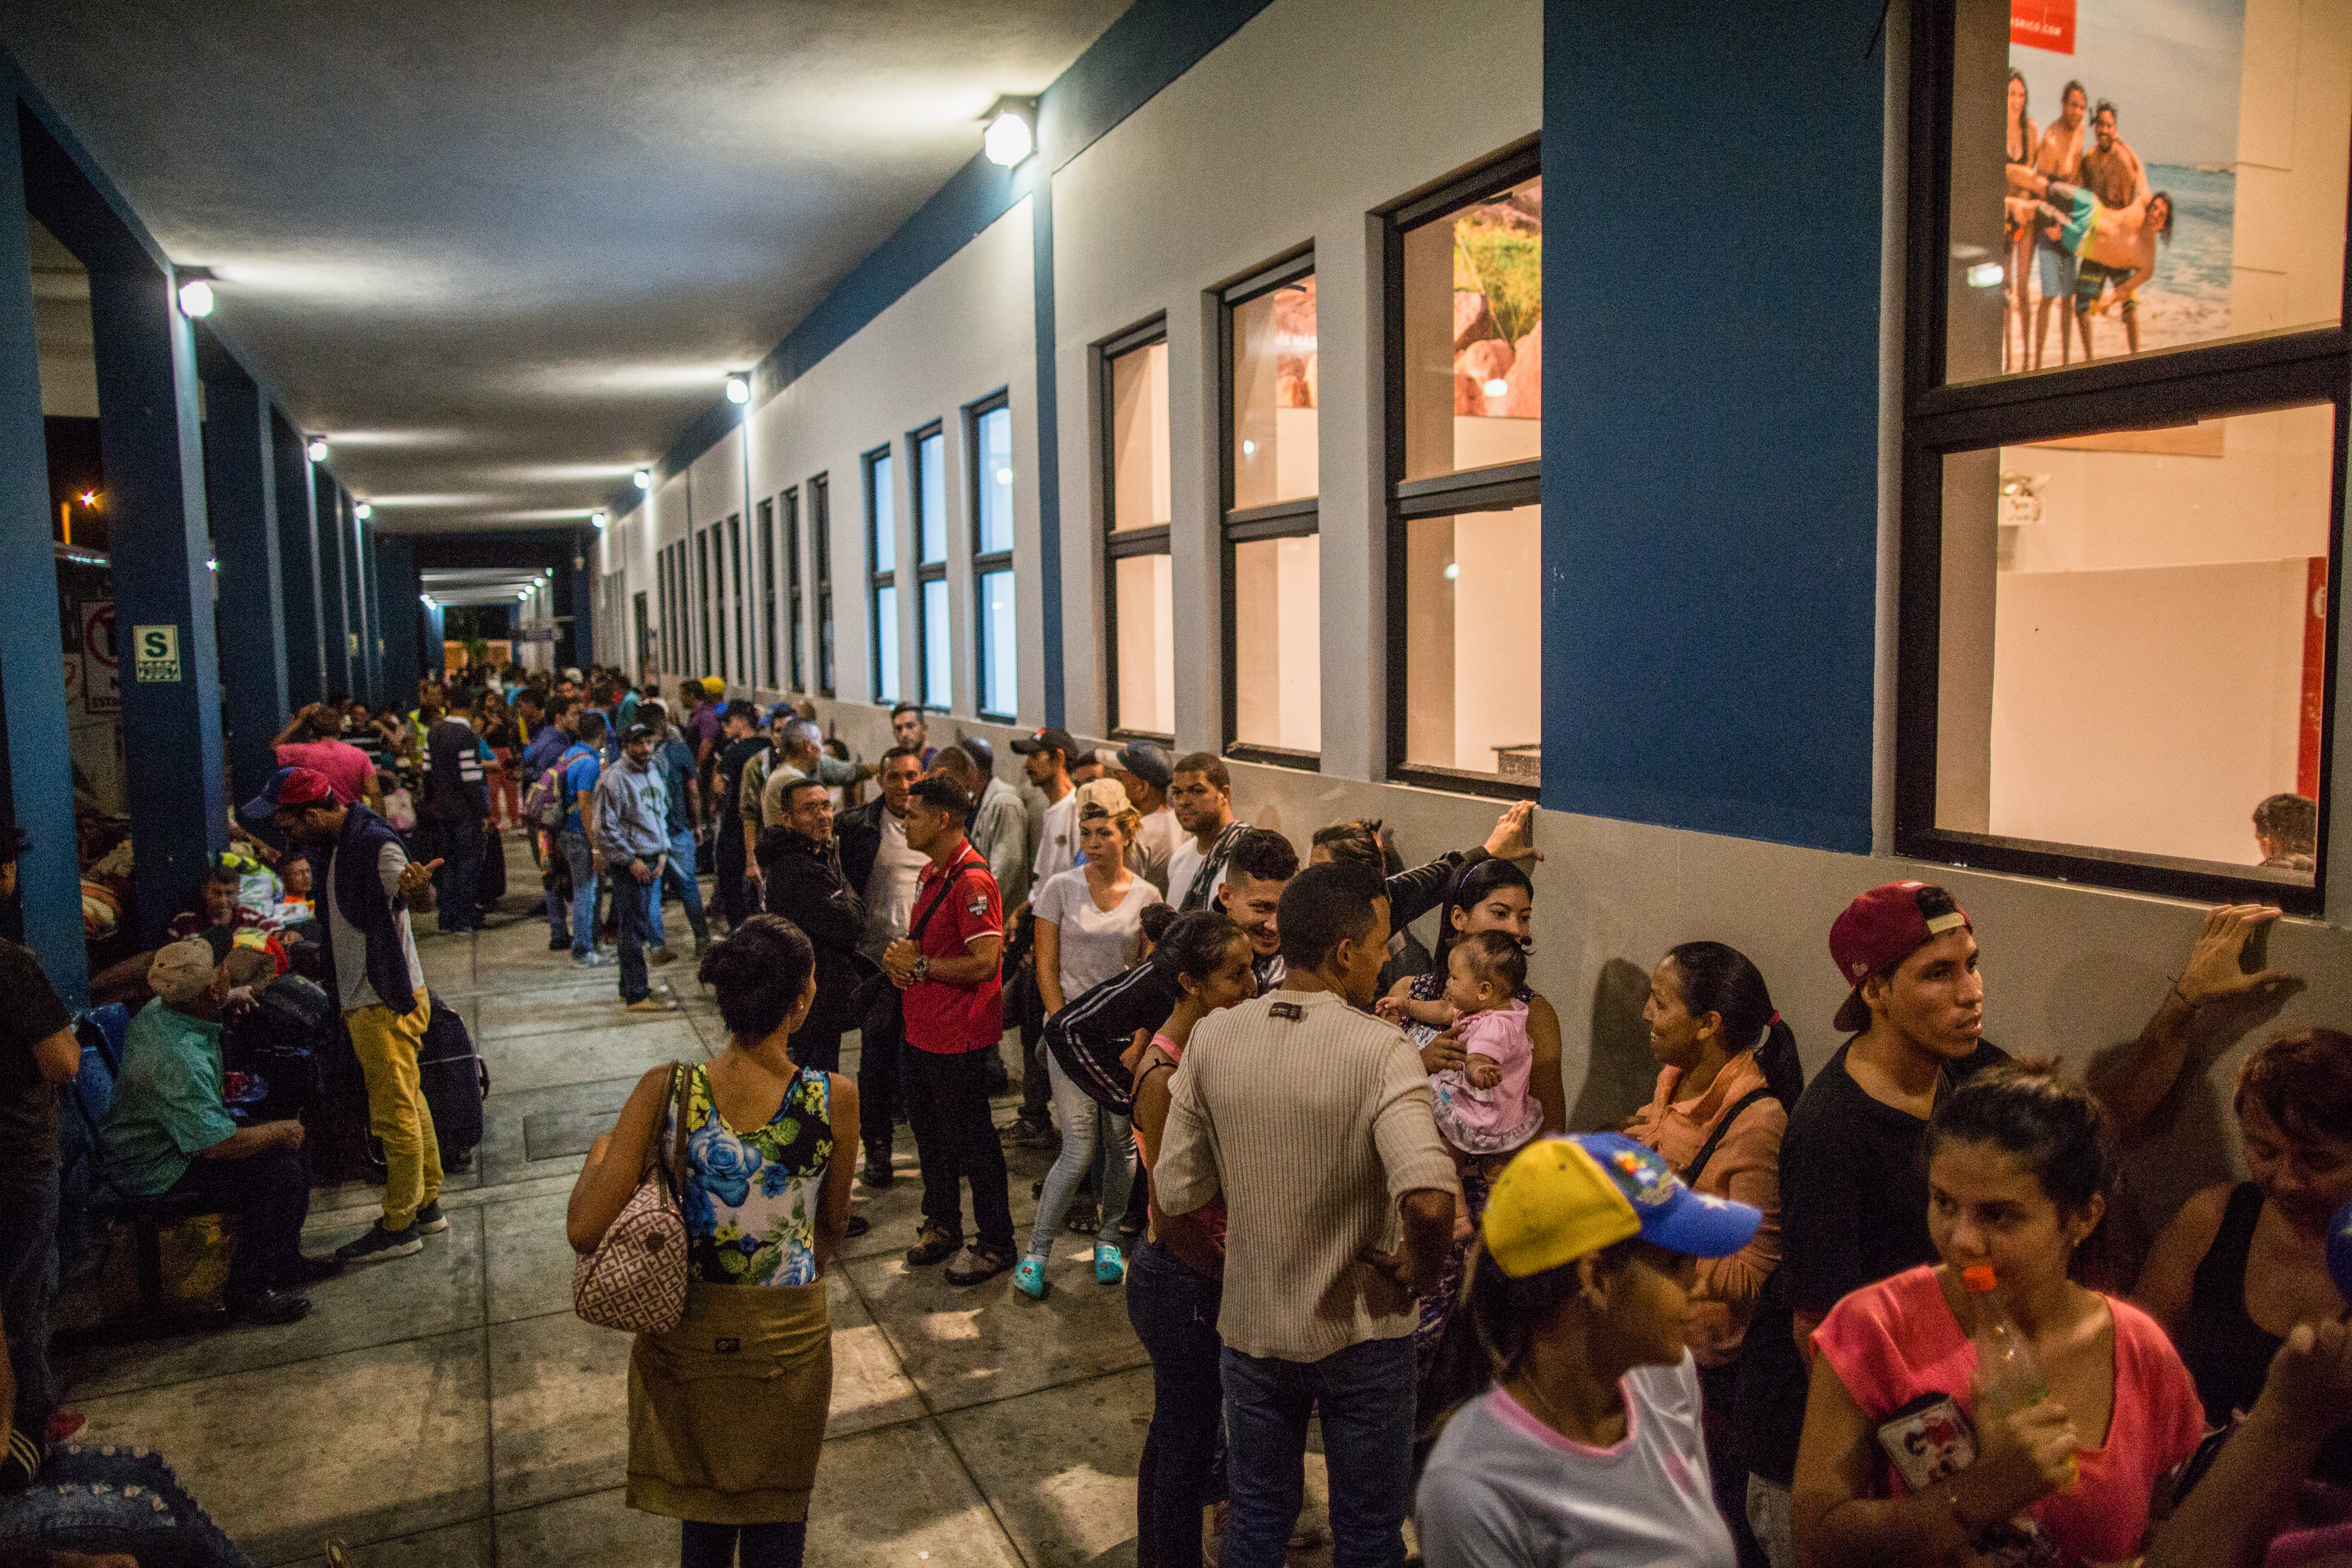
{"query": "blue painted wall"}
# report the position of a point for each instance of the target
(1711, 414)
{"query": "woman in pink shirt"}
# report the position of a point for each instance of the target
(1902, 1460)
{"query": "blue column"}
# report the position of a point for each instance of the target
(297, 563)
(158, 542)
(1049, 435)
(334, 609)
(583, 606)
(396, 592)
(433, 654)
(36, 772)
(371, 601)
(241, 492)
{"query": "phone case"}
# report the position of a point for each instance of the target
(1927, 1439)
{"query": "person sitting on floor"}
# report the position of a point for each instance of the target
(169, 1131)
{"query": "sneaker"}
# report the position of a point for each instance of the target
(428, 1221)
(379, 1245)
(64, 1423)
(310, 1270)
(558, 944)
(858, 1226)
(1109, 1267)
(271, 1309)
(976, 1264)
(21, 1458)
(595, 959)
(660, 956)
(651, 1004)
(1030, 1278)
(1040, 1138)
(932, 1245)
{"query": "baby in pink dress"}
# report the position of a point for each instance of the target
(1483, 1107)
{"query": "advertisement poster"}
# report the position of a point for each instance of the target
(2136, 103)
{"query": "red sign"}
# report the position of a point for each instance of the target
(2042, 25)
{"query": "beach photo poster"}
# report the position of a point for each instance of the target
(2169, 73)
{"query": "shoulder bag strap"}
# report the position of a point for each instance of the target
(948, 884)
(1707, 1149)
(670, 1163)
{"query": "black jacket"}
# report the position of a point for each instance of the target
(859, 833)
(805, 886)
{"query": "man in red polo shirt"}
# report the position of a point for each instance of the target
(952, 1002)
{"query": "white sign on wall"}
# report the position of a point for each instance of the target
(101, 675)
(156, 652)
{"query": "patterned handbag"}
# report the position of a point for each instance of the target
(636, 1279)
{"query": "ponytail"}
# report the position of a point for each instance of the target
(1722, 980)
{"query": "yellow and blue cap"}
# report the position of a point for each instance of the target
(1561, 1199)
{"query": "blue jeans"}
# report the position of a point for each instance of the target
(28, 1284)
(574, 845)
(1174, 1310)
(629, 914)
(1364, 1397)
(678, 873)
(1083, 1122)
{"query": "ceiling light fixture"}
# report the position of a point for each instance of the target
(1012, 133)
(363, 511)
(596, 520)
(738, 389)
(317, 449)
(195, 293)
(643, 479)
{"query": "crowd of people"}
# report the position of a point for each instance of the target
(1331, 1169)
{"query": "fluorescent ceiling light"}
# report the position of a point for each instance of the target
(1497, 387)
(643, 479)
(738, 390)
(317, 449)
(196, 297)
(1012, 133)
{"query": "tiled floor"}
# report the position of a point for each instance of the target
(448, 1409)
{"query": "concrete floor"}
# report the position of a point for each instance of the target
(448, 1408)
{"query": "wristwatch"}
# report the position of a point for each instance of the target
(923, 967)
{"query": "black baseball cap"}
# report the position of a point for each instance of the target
(1047, 740)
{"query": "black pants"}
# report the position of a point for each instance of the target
(947, 1100)
(270, 1193)
(735, 900)
(1174, 1314)
(459, 894)
(882, 1040)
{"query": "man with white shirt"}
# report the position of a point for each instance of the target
(1046, 758)
(1143, 770)
(1201, 793)
(877, 860)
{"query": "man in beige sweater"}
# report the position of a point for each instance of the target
(1311, 1118)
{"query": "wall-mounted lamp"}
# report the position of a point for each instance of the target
(195, 292)
(425, 599)
(643, 479)
(317, 449)
(738, 389)
(1012, 133)
(596, 520)
(363, 511)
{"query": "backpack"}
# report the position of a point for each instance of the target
(545, 806)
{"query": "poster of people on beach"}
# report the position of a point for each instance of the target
(2121, 132)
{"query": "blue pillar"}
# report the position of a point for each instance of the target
(297, 563)
(583, 608)
(434, 635)
(371, 601)
(36, 772)
(396, 592)
(334, 608)
(158, 543)
(240, 491)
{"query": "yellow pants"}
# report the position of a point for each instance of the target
(386, 1043)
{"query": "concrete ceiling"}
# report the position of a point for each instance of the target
(500, 253)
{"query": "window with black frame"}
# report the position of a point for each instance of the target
(1273, 558)
(767, 545)
(661, 598)
(736, 596)
(989, 438)
(929, 445)
(882, 555)
(2124, 448)
(820, 551)
(1139, 598)
(703, 551)
(792, 598)
(1465, 456)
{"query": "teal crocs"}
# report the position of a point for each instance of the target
(1109, 1267)
(1030, 1278)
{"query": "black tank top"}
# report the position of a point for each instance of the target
(2225, 1349)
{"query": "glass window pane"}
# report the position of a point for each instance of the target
(1273, 374)
(1278, 644)
(1474, 336)
(1000, 669)
(1139, 435)
(1473, 674)
(886, 645)
(1147, 642)
(882, 517)
(936, 676)
(932, 527)
(2133, 638)
(2212, 187)
(995, 437)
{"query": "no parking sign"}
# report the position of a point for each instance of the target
(102, 679)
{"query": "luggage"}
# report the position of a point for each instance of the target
(455, 1080)
(492, 884)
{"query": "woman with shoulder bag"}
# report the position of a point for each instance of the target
(727, 1410)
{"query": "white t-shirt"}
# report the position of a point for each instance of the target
(1057, 842)
(1183, 865)
(352, 986)
(1504, 1490)
(1095, 943)
(1158, 838)
(890, 887)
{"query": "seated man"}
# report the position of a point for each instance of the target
(170, 1132)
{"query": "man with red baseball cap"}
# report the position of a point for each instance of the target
(1853, 1188)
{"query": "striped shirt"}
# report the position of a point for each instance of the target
(1313, 1121)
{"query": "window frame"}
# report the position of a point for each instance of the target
(734, 526)
(661, 596)
(928, 572)
(875, 579)
(1282, 519)
(702, 555)
(1118, 546)
(820, 489)
(1502, 487)
(985, 563)
(766, 543)
(795, 601)
(2161, 387)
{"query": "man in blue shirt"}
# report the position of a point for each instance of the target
(630, 832)
(583, 765)
(674, 759)
(169, 1131)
